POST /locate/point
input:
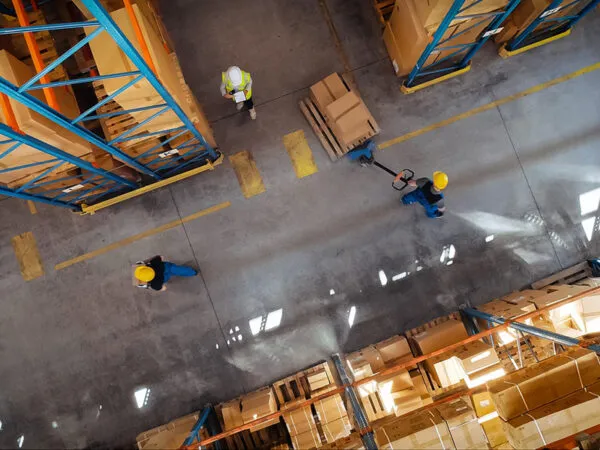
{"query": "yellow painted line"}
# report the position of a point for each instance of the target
(93, 209)
(247, 174)
(28, 256)
(487, 107)
(504, 53)
(300, 153)
(411, 90)
(32, 208)
(145, 234)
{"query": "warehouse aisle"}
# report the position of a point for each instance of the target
(327, 263)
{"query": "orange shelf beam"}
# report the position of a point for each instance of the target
(34, 50)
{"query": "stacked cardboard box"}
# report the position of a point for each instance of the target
(333, 418)
(259, 404)
(476, 363)
(551, 400)
(168, 436)
(320, 382)
(462, 422)
(351, 442)
(232, 414)
(414, 22)
(423, 430)
(488, 418)
(344, 111)
(110, 59)
(301, 426)
(525, 13)
(35, 125)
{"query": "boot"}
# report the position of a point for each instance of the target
(239, 106)
(253, 114)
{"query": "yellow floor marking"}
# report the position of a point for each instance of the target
(28, 256)
(492, 105)
(300, 153)
(145, 234)
(247, 174)
(32, 208)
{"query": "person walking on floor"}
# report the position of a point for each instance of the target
(428, 193)
(237, 86)
(155, 273)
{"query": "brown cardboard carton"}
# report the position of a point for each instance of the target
(232, 414)
(299, 421)
(527, 11)
(483, 404)
(494, 430)
(462, 422)
(456, 412)
(552, 378)
(327, 91)
(402, 66)
(258, 404)
(351, 442)
(307, 440)
(335, 85)
(340, 108)
(330, 409)
(440, 336)
(318, 380)
(395, 383)
(360, 367)
(168, 436)
(393, 348)
(426, 430)
(337, 429)
(410, 36)
(509, 31)
(406, 401)
(561, 418)
(266, 424)
(359, 133)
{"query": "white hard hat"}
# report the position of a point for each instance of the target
(234, 73)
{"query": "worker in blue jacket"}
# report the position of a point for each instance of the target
(428, 193)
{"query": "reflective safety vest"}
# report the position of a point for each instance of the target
(229, 87)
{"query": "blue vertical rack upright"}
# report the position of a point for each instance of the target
(95, 182)
(550, 24)
(458, 54)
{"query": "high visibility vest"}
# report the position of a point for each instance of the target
(229, 87)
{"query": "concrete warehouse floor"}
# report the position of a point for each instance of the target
(77, 343)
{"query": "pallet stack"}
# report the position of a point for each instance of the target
(338, 116)
(413, 24)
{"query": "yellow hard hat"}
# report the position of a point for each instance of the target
(145, 273)
(440, 180)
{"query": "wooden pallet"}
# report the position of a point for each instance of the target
(273, 436)
(330, 143)
(571, 275)
(383, 10)
(296, 386)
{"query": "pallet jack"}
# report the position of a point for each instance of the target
(364, 156)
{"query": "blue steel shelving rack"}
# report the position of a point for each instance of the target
(195, 150)
(459, 59)
(548, 26)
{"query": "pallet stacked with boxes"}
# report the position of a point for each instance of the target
(338, 116)
(413, 24)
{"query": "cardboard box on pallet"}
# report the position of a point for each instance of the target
(439, 336)
(318, 380)
(327, 91)
(424, 430)
(300, 420)
(552, 378)
(394, 349)
(488, 418)
(348, 118)
(462, 422)
(307, 440)
(554, 421)
(330, 409)
(351, 442)
(337, 429)
(258, 404)
(232, 414)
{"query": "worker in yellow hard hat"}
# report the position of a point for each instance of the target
(428, 193)
(155, 273)
(236, 85)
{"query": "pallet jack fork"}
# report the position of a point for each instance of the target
(364, 156)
